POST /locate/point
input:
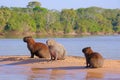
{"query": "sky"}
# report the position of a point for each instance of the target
(64, 4)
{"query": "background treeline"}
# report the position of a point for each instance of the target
(35, 19)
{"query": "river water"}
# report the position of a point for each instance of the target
(27, 73)
(108, 46)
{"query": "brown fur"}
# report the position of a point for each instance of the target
(57, 50)
(36, 48)
(93, 59)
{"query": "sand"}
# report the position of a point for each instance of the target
(72, 64)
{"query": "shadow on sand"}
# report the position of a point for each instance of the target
(21, 61)
(61, 68)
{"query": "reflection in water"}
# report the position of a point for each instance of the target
(27, 73)
(94, 75)
(38, 74)
(57, 74)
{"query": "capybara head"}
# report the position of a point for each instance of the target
(27, 38)
(87, 50)
(50, 42)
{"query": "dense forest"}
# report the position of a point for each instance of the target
(36, 20)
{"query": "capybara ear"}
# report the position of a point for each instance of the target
(86, 50)
(89, 47)
(89, 50)
(25, 39)
(50, 42)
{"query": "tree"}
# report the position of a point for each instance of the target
(67, 17)
(33, 4)
(20, 22)
(5, 14)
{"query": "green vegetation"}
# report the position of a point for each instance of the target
(37, 20)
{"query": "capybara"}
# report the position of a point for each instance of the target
(39, 49)
(57, 50)
(93, 59)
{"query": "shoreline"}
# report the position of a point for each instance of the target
(71, 62)
(68, 35)
(71, 66)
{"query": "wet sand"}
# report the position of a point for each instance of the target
(72, 68)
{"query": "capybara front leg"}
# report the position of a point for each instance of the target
(32, 55)
(56, 56)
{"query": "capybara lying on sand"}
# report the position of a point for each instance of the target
(36, 48)
(57, 50)
(93, 59)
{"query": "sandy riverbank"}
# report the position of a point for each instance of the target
(71, 63)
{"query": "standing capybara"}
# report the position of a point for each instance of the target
(93, 59)
(36, 48)
(57, 50)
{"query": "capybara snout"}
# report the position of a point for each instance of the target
(25, 39)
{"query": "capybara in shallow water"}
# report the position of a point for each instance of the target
(93, 59)
(41, 50)
(57, 50)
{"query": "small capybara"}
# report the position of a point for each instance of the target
(57, 50)
(93, 59)
(41, 50)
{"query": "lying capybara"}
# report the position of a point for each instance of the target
(57, 50)
(93, 59)
(36, 48)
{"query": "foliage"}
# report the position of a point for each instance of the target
(33, 4)
(37, 19)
